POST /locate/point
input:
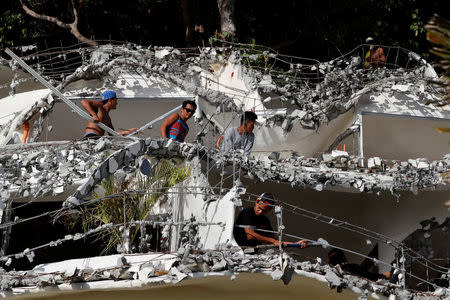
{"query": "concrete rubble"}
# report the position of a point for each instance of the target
(342, 170)
(28, 171)
(337, 86)
(228, 261)
(48, 169)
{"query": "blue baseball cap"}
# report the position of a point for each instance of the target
(108, 95)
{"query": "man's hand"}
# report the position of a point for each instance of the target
(303, 243)
(275, 242)
(127, 131)
(95, 118)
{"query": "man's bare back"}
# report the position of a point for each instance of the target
(99, 110)
(100, 115)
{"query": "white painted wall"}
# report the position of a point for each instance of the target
(188, 203)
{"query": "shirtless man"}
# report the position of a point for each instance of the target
(99, 110)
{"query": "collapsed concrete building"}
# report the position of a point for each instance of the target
(308, 112)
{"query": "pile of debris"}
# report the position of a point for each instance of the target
(139, 270)
(329, 89)
(46, 169)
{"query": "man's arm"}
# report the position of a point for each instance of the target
(227, 144)
(367, 59)
(127, 131)
(252, 235)
(89, 106)
(250, 139)
(167, 122)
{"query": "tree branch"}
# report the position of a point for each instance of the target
(74, 30)
(189, 28)
(72, 26)
(43, 17)
(75, 12)
(226, 11)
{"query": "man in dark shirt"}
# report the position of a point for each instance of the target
(337, 257)
(254, 217)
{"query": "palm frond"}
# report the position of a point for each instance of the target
(130, 207)
(438, 33)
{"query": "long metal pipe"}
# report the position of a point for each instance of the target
(72, 105)
(361, 142)
(155, 120)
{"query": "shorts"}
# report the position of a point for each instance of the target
(91, 135)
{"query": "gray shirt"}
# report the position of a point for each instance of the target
(232, 140)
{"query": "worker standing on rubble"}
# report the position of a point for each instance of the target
(375, 57)
(247, 228)
(241, 137)
(174, 126)
(99, 111)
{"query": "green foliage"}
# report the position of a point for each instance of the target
(417, 26)
(219, 37)
(123, 208)
(14, 30)
(418, 29)
(438, 33)
(317, 29)
(227, 35)
(212, 41)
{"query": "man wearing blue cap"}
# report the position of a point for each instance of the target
(99, 110)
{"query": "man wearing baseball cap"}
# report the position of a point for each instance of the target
(99, 110)
(252, 227)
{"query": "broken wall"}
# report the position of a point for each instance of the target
(400, 138)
